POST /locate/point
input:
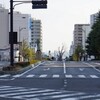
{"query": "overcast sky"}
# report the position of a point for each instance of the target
(59, 18)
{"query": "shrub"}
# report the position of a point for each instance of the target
(22, 64)
(33, 61)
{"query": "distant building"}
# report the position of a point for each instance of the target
(93, 18)
(86, 30)
(36, 34)
(80, 33)
(71, 51)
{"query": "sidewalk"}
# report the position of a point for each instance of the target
(21, 70)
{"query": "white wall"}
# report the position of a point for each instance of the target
(4, 28)
(21, 25)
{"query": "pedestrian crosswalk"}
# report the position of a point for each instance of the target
(49, 76)
(24, 93)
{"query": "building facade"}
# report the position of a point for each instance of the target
(36, 34)
(77, 35)
(21, 25)
(80, 33)
(86, 30)
(4, 33)
(4, 29)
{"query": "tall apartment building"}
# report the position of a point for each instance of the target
(81, 32)
(36, 33)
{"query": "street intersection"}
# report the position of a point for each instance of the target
(53, 80)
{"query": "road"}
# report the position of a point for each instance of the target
(52, 80)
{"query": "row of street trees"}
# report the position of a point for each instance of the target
(27, 52)
(93, 42)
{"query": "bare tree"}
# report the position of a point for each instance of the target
(61, 52)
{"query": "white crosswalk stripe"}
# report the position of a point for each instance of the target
(44, 75)
(55, 76)
(68, 76)
(6, 75)
(94, 76)
(82, 76)
(47, 76)
(13, 92)
(30, 75)
(15, 76)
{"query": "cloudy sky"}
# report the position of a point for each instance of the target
(59, 18)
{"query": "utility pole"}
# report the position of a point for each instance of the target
(11, 34)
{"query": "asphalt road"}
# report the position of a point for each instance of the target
(53, 81)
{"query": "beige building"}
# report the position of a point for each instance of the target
(80, 34)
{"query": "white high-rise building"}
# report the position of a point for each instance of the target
(21, 25)
(4, 33)
(4, 28)
(36, 33)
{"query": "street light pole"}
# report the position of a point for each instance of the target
(11, 34)
(20, 29)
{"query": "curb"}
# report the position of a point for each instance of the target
(20, 71)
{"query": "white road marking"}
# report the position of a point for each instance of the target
(81, 69)
(90, 96)
(64, 67)
(65, 95)
(94, 76)
(4, 75)
(92, 66)
(81, 76)
(97, 63)
(68, 76)
(31, 69)
(69, 99)
(44, 75)
(22, 93)
(55, 76)
(30, 75)
(16, 76)
(45, 69)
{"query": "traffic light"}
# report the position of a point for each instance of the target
(39, 4)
